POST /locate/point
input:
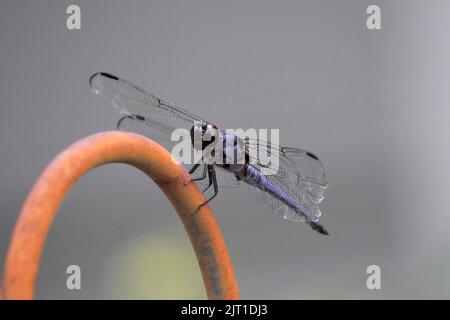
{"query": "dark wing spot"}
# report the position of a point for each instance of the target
(108, 75)
(102, 74)
(138, 117)
(312, 155)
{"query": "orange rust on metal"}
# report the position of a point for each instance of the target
(33, 224)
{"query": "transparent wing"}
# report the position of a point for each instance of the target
(145, 127)
(143, 115)
(300, 174)
(134, 101)
(306, 165)
(275, 205)
(308, 195)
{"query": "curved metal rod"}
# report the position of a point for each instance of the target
(33, 224)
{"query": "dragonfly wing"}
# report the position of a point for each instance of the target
(145, 127)
(131, 100)
(275, 205)
(141, 125)
(150, 116)
(308, 193)
(300, 173)
(305, 164)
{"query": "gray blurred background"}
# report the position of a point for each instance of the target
(374, 105)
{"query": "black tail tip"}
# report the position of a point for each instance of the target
(319, 228)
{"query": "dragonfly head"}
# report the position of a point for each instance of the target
(203, 134)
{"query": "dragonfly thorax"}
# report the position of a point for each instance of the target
(234, 155)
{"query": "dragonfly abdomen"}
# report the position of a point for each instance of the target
(257, 179)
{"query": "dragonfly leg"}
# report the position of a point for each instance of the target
(194, 167)
(203, 175)
(216, 186)
(212, 180)
(210, 177)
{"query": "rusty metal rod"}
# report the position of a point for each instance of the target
(33, 224)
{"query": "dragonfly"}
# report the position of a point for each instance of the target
(292, 192)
